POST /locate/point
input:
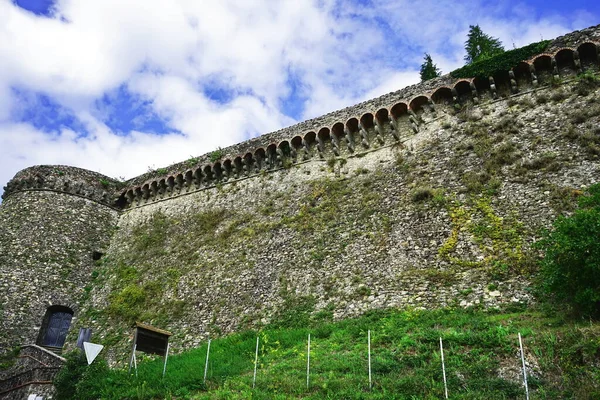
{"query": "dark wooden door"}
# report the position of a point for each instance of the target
(57, 328)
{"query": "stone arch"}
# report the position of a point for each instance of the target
(442, 95)
(296, 144)
(55, 326)
(417, 105)
(179, 182)
(402, 119)
(352, 133)
(272, 155)
(367, 127)
(543, 67)
(502, 83)
(523, 76)
(147, 191)
(284, 150)
(309, 140)
(588, 54)
(463, 91)
(324, 141)
(218, 171)
(249, 163)
(189, 178)
(227, 169)
(138, 193)
(238, 165)
(565, 62)
(151, 190)
(170, 184)
(198, 176)
(208, 174)
(162, 187)
(398, 110)
(339, 135)
(260, 157)
(482, 85)
(383, 125)
(130, 196)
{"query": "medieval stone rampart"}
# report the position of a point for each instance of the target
(426, 197)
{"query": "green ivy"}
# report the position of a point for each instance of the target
(502, 62)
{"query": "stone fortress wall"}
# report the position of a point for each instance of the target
(55, 221)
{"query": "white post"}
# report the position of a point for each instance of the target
(369, 346)
(443, 369)
(166, 358)
(206, 365)
(255, 363)
(308, 364)
(132, 357)
(135, 364)
(524, 370)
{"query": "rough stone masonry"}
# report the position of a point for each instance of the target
(430, 196)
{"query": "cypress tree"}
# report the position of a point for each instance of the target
(428, 69)
(480, 46)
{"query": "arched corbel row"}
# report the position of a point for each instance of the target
(397, 121)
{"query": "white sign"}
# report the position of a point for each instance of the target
(91, 351)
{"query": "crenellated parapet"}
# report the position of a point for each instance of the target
(391, 118)
(65, 179)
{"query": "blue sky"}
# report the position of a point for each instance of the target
(123, 86)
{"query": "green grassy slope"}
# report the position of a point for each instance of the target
(481, 353)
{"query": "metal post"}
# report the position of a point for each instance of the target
(166, 358)
(308, 364)
(443, 369)
(524, 369)
(255, 363)
(369, 346)
(206, 365)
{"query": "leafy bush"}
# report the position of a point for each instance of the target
(502, 62)
(77, 380)
(570, 269)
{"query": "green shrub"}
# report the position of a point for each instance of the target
(570, 269)
(422, 194)
(76, 380)
(216, 155)
(502, 62)
(586, 82)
